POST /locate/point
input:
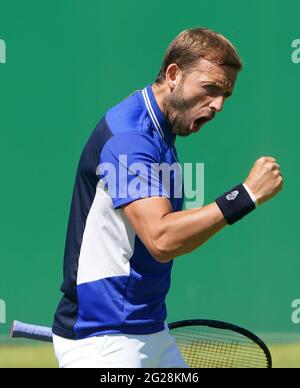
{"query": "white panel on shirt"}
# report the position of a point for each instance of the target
(108, 241)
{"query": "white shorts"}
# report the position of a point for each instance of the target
(156, 350)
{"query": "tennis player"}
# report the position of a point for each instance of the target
(126, 221)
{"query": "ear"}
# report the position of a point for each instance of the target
(173, 76)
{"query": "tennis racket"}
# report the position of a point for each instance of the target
(215, 344)
(203, 343)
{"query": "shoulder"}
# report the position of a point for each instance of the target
(133, 142)
(126, 116)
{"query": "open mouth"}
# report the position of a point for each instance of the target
(197, 124)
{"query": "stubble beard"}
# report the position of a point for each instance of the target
(175, 108)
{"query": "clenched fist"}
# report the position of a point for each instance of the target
(265, 179)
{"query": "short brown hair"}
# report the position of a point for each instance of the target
(191, 45)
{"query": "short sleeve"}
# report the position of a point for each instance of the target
(129, 168)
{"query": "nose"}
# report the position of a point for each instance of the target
(217, 104)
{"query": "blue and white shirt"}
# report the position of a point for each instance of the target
(112, 284)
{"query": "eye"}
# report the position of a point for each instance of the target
(213, 90)
(227, 95)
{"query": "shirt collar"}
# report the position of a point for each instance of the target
(157, 117)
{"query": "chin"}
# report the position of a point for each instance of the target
(181, 132)
(184, 134)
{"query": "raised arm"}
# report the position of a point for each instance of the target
(168, 234)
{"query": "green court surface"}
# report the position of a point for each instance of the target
(42, 356)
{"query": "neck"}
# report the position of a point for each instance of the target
(160, 92)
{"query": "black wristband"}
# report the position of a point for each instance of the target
(235, 204)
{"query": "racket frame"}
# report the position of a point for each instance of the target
(226, 326)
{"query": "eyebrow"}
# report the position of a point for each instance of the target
(220, 86)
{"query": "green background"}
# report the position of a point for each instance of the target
(68, 61)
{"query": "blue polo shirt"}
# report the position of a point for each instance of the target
(112, 284)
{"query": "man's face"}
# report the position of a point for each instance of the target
(198, 96)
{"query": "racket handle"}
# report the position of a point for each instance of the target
(24, 330)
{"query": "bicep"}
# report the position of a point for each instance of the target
(145, 216)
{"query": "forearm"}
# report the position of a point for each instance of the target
(168, 234)
(182, 232)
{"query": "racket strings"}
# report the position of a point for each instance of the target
(227, 358)
(206, 347)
